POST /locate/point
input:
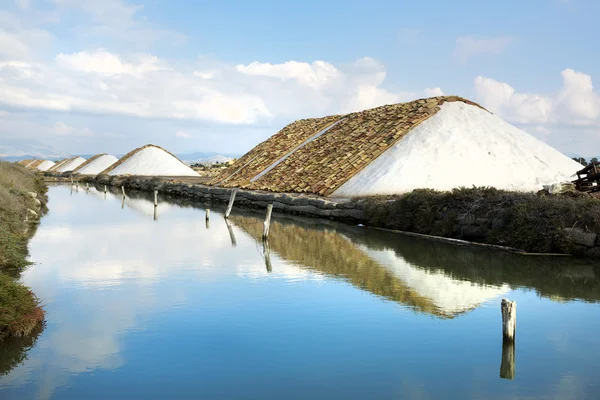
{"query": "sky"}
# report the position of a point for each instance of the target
(88, 76)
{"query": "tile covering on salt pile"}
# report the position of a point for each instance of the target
(24, 162)
(96, 164)
(150, 160)
(45, 165)
(71, 164)
(34, 164)
(328, 162)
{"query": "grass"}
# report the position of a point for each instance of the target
(20, 311)
(528, 221)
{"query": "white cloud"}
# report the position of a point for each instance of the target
(315, 75)
(575, 104)
(62, 129)
(433, 92)
(468, 47)
(102, 62)
(183, 135)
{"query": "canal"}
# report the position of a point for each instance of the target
(153, 305)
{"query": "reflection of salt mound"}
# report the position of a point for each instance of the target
(45, 165)
(70, 165)
(150, 161)
(450, 295)
(96, 164)
(146, 207)
(462, 145)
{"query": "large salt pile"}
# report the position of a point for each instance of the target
(438, 143)
(462, 145)
(45, 165)
(96, 164)
(70, 164)
(150, 160)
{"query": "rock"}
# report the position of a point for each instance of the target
(32, 213)
(580, 237)
(33, 195)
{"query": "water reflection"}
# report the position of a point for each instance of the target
(139, 308)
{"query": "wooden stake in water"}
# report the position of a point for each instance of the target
(87, 186)
(156, 198)
(123, 190)
(267, 223)
(207, 214)
(105, 189)
(155, 213)
(231, 200)
(509, 319)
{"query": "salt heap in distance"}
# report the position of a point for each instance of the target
(45, 165)
(439, 143)
(96, 164)
(70, 164)
(150, 160)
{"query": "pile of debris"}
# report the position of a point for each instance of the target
(588, 179)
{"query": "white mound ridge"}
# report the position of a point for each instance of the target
(46, 165)
(153, 161)
(98, 165)
(462, 145)
(70, 165)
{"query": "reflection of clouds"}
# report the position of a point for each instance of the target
(102, 271)
(448, 294)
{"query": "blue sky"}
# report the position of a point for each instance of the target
(88, 76)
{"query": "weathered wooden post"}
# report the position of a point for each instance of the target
(87, 186)
(123, 190)
(123, 202)
(207, 214)
(156, 198)
(155, 213)
(105, 189)
(509, 328)
(231, 200)
(509, 319)
(267, 223)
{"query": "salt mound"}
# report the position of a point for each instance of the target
(45, 165)
(70, 165)
(462, 145)
(152, 161)
(97, 165)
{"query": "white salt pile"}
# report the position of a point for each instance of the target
(97, 165)
(153, 161)
(462, 145)
(70, 165)
(45, 165)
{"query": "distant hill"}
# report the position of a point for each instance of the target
(16, 150)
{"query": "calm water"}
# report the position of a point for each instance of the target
(139, 308)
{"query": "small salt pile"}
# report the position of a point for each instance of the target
(96, 164)
(70, 165)
(150, 160)
(45, 165)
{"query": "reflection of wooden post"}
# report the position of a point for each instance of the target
(507, 368)
(267, 255)
(123, 202)
(208, 218)
(156, 198)
(267, 223)
(231, 234)
(231, 200)
(123, 190)
(509, 319)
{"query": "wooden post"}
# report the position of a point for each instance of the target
(231, 200)
(507, 367)
(156, 198)
(87, 186)
(267, 223)
(123, 202)
(105, 189)
(207, 214)
(509, 319)
(155, 213)
(123, 190)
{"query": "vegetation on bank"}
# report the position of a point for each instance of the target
(22, 199)
(532, 222)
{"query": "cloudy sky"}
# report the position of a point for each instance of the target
(89, 76)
